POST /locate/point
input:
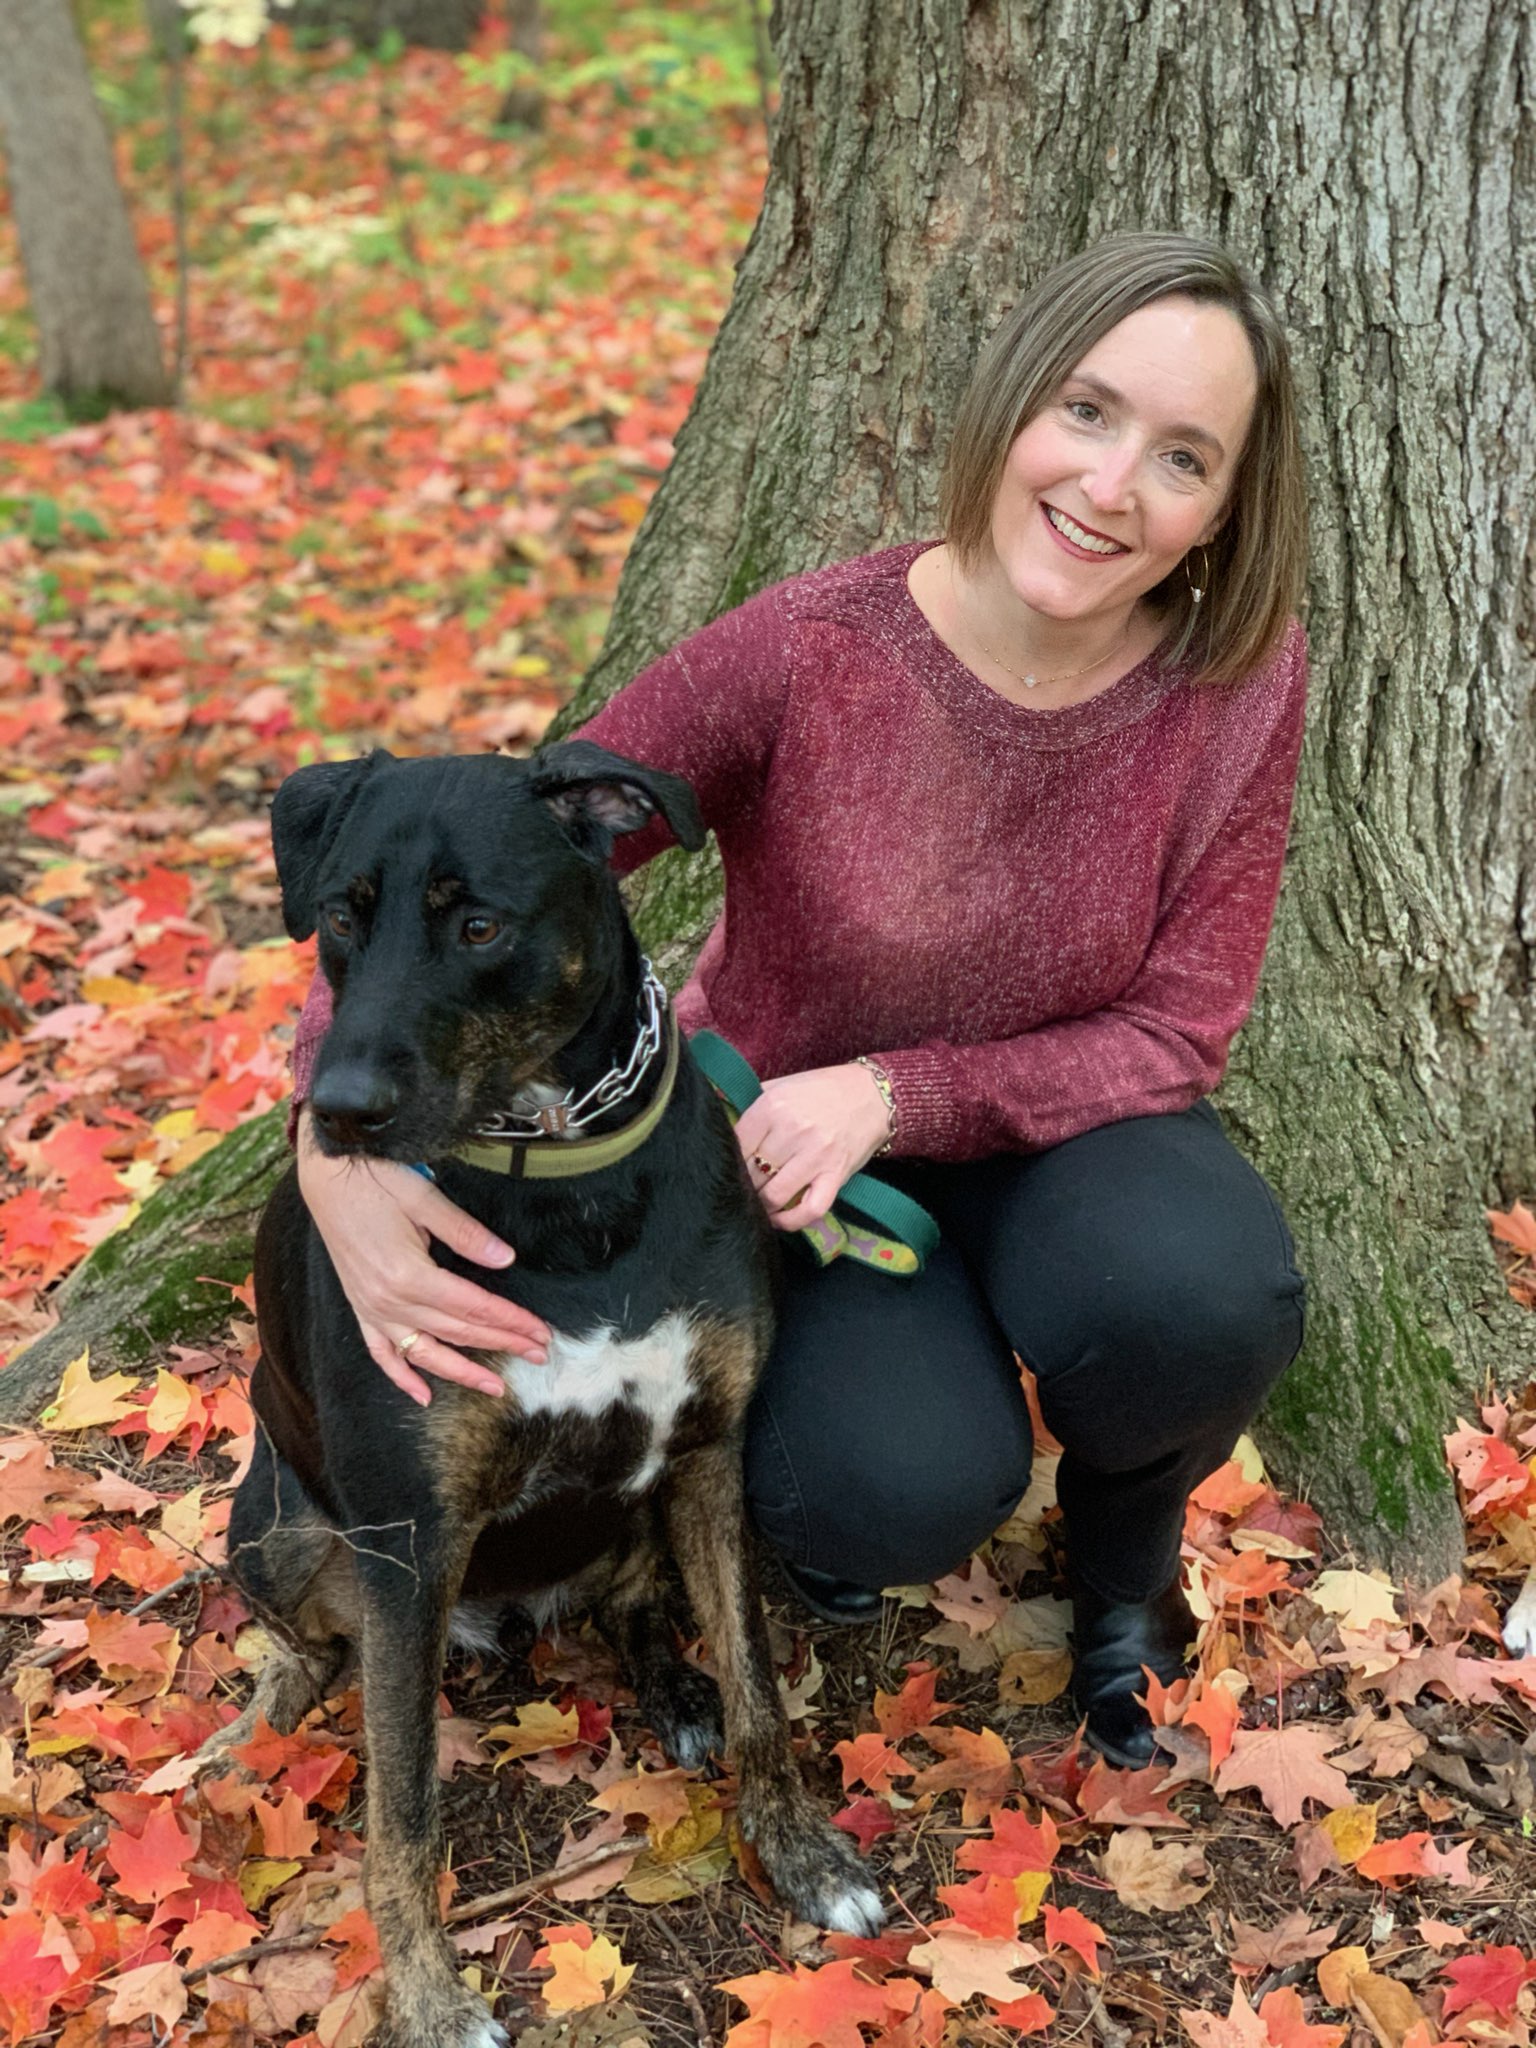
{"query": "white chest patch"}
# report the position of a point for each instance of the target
(589, 1375)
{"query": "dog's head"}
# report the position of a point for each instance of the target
(469, 927)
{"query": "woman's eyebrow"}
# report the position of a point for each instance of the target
(1112, 397)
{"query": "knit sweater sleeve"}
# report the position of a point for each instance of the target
(709, 711)
(1163, 1042)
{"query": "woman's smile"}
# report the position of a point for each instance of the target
(1086, 543)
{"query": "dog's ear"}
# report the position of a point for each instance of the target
(597, 796)
(306, 815)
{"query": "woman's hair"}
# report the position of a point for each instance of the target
(1257, 560)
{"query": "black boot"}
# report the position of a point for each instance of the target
(1111, 1641)
(833, 1599)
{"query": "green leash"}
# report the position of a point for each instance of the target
(906, 1234)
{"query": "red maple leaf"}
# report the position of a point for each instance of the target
(152, 1865)
(1495, 1977)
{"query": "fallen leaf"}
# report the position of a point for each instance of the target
(1495, 1977)
(1286, 2024)
(1291, 1940)
(1388, 2008)
(964, 1965)
(154, 1989)
(1153, 1878)
(84, 1403)
(1358, 1599)
(588, 1968)
(1285, 1767)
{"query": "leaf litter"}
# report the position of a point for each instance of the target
(418, 548)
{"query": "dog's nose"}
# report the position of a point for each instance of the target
(354, 1102)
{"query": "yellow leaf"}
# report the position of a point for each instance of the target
(171, 1406)
(1357, 1598)
(1249, 1463)
(1335, 1971)
(261, 1876)
(539, 1726)
(176, 1124)
(1029, 1678)
(1351, 1829)
(182, 1520)
(116, 992)
(189, 1153)
(1029, 1888)
(585, 1976)
(56, 1745)
(528, 666)
(84, 1403)
(695, 1831)
(140, 1178)
(651, 1883)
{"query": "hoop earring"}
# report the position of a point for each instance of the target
(1197, 590)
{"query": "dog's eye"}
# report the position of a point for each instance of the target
(340, 922)
(480, 931)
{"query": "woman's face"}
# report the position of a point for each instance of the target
(1137, 451)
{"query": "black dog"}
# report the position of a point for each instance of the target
(482, 964)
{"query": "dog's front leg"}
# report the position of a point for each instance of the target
(405, 1628)
(812, 1865)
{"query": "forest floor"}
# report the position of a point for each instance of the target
(433, 379)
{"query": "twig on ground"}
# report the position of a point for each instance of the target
(690, 1998)
(46, 1659)
(456, 1916)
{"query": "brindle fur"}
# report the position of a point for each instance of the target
(364, 1519)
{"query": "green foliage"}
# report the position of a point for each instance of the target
(44, 523)
(682, 72)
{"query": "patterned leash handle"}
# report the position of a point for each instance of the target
(872, 1223)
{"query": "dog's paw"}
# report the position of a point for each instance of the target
(684, 1714)
(463, 2024)
(1520, 1622)
(816, 1871)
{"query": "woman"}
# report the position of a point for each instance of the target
(1003, 820)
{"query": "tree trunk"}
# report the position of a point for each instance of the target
(89, 294)
(429, 24)
(523, 106)
(926, 163)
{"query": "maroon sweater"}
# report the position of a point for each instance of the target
(1037, 921)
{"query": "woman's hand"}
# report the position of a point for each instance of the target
(804, 1136)
(377, 1219)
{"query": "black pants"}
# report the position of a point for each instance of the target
(1145, 1274)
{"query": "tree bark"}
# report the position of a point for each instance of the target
(88, 291)
(523, 106)
(1375, 167)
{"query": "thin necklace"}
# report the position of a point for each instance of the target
(1033, 682)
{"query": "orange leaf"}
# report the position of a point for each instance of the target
(825, 2006)
(284, 1830)
(910, 1711)
(870, 1761)
(1215, 1714)
(979, 1765)
(151, 1866)
(1286, 2023)
(1066, 1927)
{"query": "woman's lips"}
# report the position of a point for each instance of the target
(1070, 547)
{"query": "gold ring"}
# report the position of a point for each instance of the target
(404, 1346)
(762, 1165)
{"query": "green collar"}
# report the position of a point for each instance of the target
(564, 1158)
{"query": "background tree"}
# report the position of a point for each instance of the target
(432, 24)
(89, 294)
(927, 163)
